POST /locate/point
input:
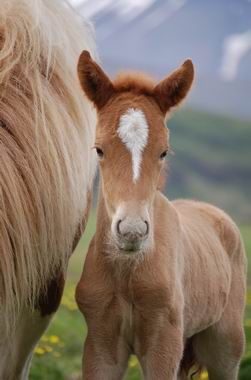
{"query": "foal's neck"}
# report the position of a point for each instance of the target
(103, 220)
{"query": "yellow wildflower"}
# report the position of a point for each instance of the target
(204, 376)
(133, 362)
(48, 348)
(39, 351)
(54, 339)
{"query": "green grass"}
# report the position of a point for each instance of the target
(58, 355)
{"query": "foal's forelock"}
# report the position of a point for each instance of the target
(133, 132)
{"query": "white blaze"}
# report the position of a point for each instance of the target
(133, 131)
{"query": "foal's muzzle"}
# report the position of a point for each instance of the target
(131, 233)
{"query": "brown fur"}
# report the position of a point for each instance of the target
(174, 88)
(135, 82)
(167, 94)
(93, 78)
(177, 301)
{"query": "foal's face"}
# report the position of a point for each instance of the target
(131, 143)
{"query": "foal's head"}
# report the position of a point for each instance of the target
(131, 143)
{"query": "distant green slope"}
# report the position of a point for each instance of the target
(211, 161)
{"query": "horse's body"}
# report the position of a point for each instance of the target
(46, 171)
(164, 280)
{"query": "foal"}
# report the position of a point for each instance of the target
(164, 280)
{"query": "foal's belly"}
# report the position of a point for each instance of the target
(201, 321)
(206, 298)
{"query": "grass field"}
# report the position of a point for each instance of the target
(58, 355)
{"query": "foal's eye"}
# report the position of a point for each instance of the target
(163, 155)
(100, 152)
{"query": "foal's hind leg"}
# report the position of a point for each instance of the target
(220, 347)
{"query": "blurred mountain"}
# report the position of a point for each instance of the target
(157, 35)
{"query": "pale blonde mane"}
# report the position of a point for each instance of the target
(46, 131)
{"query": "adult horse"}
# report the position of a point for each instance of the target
(46, 170)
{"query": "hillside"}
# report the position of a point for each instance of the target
(211, 161)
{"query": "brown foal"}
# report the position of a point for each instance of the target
(164, 280)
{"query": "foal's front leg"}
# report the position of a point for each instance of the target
(160, 353)
(104, 360)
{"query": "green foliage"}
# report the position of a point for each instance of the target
(46, 368)
(211, 161)
(245, 370)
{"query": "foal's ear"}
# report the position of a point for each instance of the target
(174, 88)
(95, 83)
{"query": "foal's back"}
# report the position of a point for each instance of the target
(200, 218)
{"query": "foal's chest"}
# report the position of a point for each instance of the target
(127, 310)
(143, 313)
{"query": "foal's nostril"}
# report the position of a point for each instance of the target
(118, 224)
(147, 227)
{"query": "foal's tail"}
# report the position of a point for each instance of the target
(46, 132)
